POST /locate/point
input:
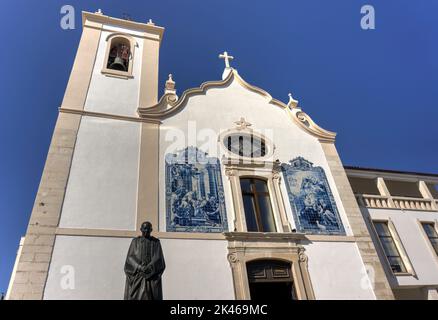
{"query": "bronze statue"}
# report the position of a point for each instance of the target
(144, 267)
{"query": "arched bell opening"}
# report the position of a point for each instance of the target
(119, 54)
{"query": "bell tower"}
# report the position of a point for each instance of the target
(96, 169)
(116, 66)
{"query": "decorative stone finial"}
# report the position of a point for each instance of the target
(292, 102)
(170, 85)
(227, 58)
(151, 23)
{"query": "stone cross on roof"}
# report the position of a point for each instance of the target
(242, 124)
(227, 58)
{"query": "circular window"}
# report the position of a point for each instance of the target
(245, 145)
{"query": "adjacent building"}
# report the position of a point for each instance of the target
(400, 209)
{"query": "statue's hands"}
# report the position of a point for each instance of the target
(142, 268)
(148, 270)
(145, 271)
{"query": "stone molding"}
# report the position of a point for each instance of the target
(107, 115)
(205, 236)
(132, 234)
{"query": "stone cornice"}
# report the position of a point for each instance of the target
(390, 175)
(107, 115)
(265, 236)
(142, 27)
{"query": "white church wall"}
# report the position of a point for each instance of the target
(102, 187)
(218, 110)
(337, 272)
(113, 95)
(196, 269)
(94, 264)
(421, 256)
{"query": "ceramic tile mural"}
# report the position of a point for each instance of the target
(194, 193)
(311, 199)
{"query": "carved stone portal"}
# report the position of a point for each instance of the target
(245, 247)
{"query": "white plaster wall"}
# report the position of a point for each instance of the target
(421, 256)
(337, 272)
(112, 95)
(97, 265)
(102, 187)
(195, 269)
(217, 111)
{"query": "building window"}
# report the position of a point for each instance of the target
(429, 229)
(246, 145)
(364, 186)
(403, 188)
(389, 247)
(433, 188)
(257, 205)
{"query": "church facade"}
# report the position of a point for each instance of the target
(247, 194)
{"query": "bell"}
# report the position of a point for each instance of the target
(118, 64)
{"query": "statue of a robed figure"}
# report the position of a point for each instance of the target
(144, 266)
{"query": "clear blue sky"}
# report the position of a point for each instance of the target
(376, 88)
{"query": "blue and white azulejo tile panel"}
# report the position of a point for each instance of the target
(311, 199)
(194, 193)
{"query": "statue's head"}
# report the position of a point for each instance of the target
(146, 228)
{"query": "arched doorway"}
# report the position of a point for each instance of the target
(270, 280)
